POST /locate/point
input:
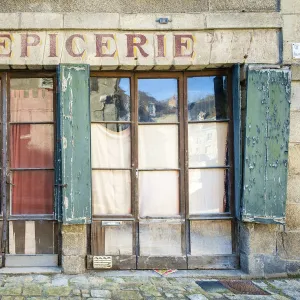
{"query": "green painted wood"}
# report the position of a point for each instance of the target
(57, 155)
(75, 143)
(236, 92)
(266, 146)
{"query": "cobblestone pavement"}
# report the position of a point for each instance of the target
(96, 286)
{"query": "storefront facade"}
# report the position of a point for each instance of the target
(151, 140)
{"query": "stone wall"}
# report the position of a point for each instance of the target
(138, 6)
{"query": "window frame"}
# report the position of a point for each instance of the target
(6, 169)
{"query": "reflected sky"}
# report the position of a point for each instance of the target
(164, 89)
(196, 90)
(125, 85)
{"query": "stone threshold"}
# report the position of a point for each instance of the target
(30, 270)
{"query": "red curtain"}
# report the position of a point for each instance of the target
(31, 146)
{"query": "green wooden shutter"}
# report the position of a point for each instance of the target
(236, 93)
(74, 129)
(266, 145)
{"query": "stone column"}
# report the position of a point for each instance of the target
(74, 249)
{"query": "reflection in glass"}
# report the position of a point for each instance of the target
(207, 144)
(31, 100)
(207, 98)
(32, 192)
(111, 192)
(211, 237)
(31, 146)
(160, 238)
(158, 146)
(158, 100)
(110, 99)
(110, 149)
(208, 191)
(159, 193)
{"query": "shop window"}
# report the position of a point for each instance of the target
(31, 147)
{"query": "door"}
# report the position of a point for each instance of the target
(148, 134)
(30, 233)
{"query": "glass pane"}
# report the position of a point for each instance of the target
(110, 99)
(160, 238)
(158, 100)
(31, 146)
(211, 237)
(118, 239)
(110, 149)
(208, 144)
(111, 192)
(158, 146)
(31, 100)
(32, 192)
(207, 98)
(159, 193)
(208, 191)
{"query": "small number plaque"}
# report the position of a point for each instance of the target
(102, 262)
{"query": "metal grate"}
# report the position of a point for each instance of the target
(234, 286)
(243, 287)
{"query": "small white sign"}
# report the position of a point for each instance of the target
(296, 50)
(102, 262)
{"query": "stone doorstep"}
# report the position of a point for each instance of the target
(30, 270)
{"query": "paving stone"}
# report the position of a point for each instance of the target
(60, 281)
(130, 286)
(76, 292)
(32, 290)
(100, 294)
(150, 290)
(41, 278)
(57, 291)
(79, 280)
(96, 280)
(197, 297)
(42, 298)
(10, 291)
(70, 298)
(127, 295)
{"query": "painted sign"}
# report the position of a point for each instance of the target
(102, 48)
(296, 50)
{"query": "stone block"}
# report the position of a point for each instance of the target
(294, 161)
(101, 294)
(291, 28)
(293, 189)
(243, 20)
(288, 245)
(57, 290)
(290, 6)
(258, 238)
(293, 267)
(73, 264)
(252, 264)
(295, 96)
(293, 216)
(295, 127)
(91, 21)
(243, 6)
(32, 290)
(94, 6)
(74, 244)
(10, 291)
(295, 72)
(274, 265)
(41, 21)
(78, 228)
(9, 20)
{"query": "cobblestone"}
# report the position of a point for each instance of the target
(97, 287)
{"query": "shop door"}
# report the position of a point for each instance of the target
(30, 233)
(140, 175)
